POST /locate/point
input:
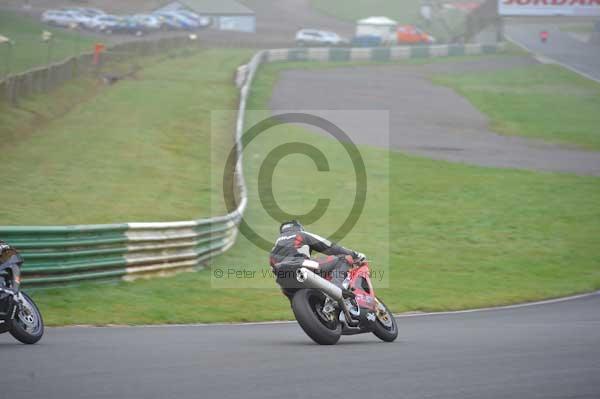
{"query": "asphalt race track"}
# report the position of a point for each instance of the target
(541, 351)
(424, 119)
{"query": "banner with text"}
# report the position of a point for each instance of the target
(581, 8)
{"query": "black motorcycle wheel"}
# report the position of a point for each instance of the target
(306, 306)
(28, 325)
(385, 327)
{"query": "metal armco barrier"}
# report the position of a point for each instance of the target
(337, 54)
(66, 254)
(44, 79)
(76, 253)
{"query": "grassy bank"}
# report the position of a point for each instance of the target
(403, 11)
(29, 51)
(446, 236)
(134, 151)
(539, 101)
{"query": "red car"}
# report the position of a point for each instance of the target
(409, 34)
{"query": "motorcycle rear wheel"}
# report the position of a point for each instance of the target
(305, 305)
(28, 325)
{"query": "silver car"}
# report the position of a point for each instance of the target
(61, 18)
(319, 38)
(200, 21)
(105, 23)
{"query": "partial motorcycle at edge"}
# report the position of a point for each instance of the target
(19, 315)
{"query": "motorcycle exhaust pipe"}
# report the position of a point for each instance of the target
(312, 280)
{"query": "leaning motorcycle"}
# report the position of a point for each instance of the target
(325, 312)
(19, 315)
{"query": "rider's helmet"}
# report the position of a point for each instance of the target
(8, 253)
(292, 225)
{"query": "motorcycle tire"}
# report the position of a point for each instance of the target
(18, 327)
(385, 328)
(3, 328)
(304, 305)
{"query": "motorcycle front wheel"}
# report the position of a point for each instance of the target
(307, 305)
(28, 325)
(385, 327)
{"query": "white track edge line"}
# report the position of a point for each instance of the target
(398, 315)
(502, 307)
(572, 69)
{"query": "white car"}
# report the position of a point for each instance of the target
(67, 18)
(318, 37)
(60, 18)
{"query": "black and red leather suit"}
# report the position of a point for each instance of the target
(293, 249)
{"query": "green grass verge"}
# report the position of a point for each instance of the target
(29, 50)
(540, 101)
(578, 28)
(459, 236)
(126, 123)
(135, 151)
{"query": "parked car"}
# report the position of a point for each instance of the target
(410, 34)
(130, 25)
(82, 17)
(63, 18)
(200, 21)
(168, 21)
(148, 22)
(318, 37)
(186, 22)
(174, 20)
(88, 12)
(105, 23)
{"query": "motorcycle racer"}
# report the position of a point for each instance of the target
(293, 249)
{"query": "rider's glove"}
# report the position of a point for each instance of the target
(359, 257)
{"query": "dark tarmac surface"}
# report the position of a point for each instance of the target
(542, 351)
(424, 119)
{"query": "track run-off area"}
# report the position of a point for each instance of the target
(549, 350)
(424, 118)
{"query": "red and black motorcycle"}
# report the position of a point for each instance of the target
(325, 312)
